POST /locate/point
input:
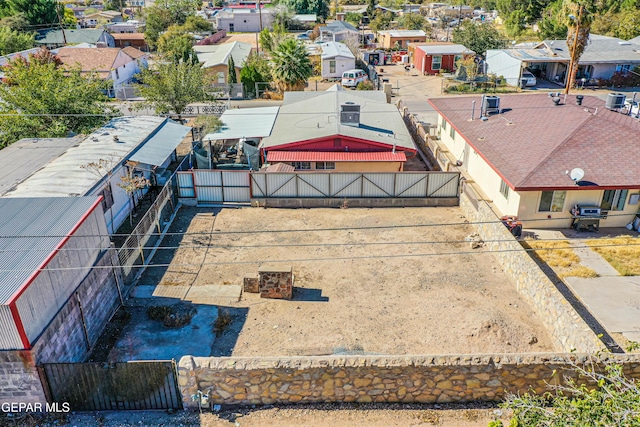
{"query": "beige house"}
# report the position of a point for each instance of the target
(521, 155)
(400, 38)
(215, 59)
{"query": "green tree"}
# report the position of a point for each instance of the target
(353, 18)
(552, 25)
(14, 41)
(256, 69)
(160, 16)
(36, 12)
(579, 17)
(170, 86)
(382, 21)
(197, 24)
(270, 39)
(175, 43)
(14, 22)
(232, 77)
(592, 396)
(115, 5)
(283, 17)
(40, 99)
(412, 21)
(291, 67)
(479, 37)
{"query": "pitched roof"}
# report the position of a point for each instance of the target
(72, 36)
(533, 142)
(335, 49)
(218, 54)
(443, 49)
(128, 36)
(601, 49)
(99, 59)
(339, 26)
(134, 52)
(318, 115)
(404, 33)
(336, 156)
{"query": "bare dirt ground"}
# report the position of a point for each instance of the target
(367, 281)
(335, 415)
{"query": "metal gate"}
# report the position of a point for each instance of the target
(214, 186)
(113, 386)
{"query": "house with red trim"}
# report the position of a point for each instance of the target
(433, 58)
(519, 151)
(59, 286)
(338, 130)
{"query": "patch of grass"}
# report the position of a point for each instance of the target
(560, 256)
(222, 322)
(622, 252)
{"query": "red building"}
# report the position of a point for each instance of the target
(433, 58)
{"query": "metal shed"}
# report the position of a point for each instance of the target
(47, 247)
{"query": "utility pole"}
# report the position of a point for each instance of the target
(64, 36)
(572, 59)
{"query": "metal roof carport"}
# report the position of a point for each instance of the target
(245, 123)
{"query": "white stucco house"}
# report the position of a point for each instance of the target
(336, 59)
(521, 156)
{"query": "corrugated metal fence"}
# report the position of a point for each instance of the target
(241, 186)
(113, 386)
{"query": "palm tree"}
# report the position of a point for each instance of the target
(291, 67)
(579, 16)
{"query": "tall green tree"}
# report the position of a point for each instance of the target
(169, 86)
(14, 41)
(412, 21)
(579, 17)
(175, 43)
(291, 67)
(256, 69)
(270, 39)
(115, 5)
(160, 16)
(232, 77)
(552, 25)
(382, 21)
(36, 12)
(479, 37)
(40, 99)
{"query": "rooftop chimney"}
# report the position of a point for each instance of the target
(350, 114)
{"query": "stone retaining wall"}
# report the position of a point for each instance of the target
(569, 330)
(375, 379)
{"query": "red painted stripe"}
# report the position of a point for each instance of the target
(49, 257)
(19, 326)
(335, 156)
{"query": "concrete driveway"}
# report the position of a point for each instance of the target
(612, 299)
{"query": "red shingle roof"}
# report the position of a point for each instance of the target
(533, 142)
(335, 156)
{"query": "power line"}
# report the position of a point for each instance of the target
(300, 260)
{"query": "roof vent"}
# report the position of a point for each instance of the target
(350, 114)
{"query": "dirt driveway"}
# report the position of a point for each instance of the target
(367, 281)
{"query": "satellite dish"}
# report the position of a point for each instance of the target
(576, 174)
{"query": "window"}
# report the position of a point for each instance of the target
(444, 125)
(452, 132)
(614, 200)
(117, 74)
(436, 62)
(325, 165)
(552, 201)
(504, 189)
(221, 78)
(624, 68)
(456, 59)
(107, 197)
(301, 165)
(332, 66)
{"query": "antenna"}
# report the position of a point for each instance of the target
(576, 174)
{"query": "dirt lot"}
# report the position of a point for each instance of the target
(367, 281)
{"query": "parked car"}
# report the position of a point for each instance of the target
(529, 79)
(351, 78)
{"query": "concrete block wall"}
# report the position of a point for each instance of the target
(569, 330)
(276, 282)
(68, 338)
(19, 380)
(406, 379)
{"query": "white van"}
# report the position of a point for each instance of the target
(351, 78)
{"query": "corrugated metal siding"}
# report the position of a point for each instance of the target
(30, 230)
(259, 185)
(412, 185)
(160, 146)
(281, 185)
(185, 185)
(236, 194)
(235, 178)
(313, 185)
(54, 285)
(378, 185)
(443, 185)
(209, 194)
(208, 178)
(9, 338)
(346, 185)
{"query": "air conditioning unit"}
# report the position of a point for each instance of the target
(491, 104)
(615, 101)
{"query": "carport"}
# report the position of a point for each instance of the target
(543, 63)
